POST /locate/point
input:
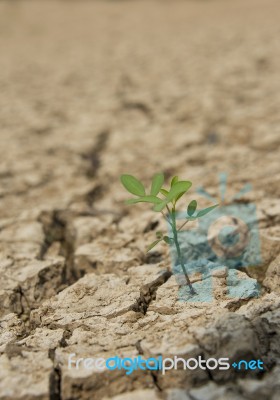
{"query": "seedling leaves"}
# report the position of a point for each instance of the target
(133, 185)
(164, 192)
(168, 240)
(152, 245)
(177, 189)
(192, 207)
(157, 183)
(145, 199)
(174, 180)
(205, 211)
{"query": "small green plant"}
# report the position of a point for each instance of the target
(166, 204)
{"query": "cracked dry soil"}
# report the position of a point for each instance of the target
(90, 90)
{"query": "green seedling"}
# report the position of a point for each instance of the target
(166, 205)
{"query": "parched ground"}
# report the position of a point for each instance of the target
(88, 91)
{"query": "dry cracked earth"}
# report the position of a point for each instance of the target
(88, 91)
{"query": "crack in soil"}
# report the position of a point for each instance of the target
(56, 227)
(148, 292)
(54, 379)
(236, 304)
(94, 155)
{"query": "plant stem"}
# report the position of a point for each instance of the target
(167, 219)
(182, 226)
(178, 249)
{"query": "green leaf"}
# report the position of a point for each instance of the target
(132, 185)
(159, 234)
(164, 192)
(192, 207)
(168, 240)
(178, 197)
(177, 188)
(160, 207)
(157, 183)
(193, 218)
(145, 199)
(152, 245)
(174, 180)
(205, 211)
